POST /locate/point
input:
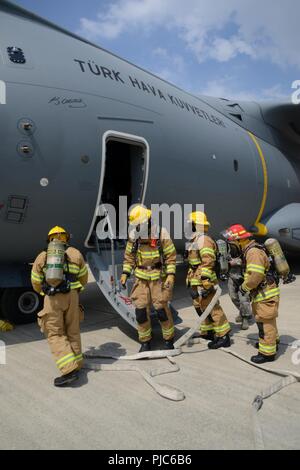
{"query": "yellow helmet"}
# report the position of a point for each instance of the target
(139, 215)
(199, 218)
(56, 230)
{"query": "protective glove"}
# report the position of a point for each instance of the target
(5, 326)
(123, 280)
(243, 291)
(235, 262)
(207, 284)
(187, 280)
(169, 282)
(289, 279)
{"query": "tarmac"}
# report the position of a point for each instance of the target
(118, 410)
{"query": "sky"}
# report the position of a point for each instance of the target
(239, 49)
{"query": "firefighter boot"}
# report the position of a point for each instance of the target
(209, 336)
(245, 324)
(261, 359)
(145, 347)
(223, 342)
(67, 379)
(169, 344)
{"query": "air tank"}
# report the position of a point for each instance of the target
(223, 256)
(55, 263)
(274, 249)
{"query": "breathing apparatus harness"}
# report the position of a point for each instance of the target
(195, 294)
(272, 275)
(65, 286)
(154, 243)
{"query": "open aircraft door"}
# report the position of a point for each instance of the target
(106, 266)
(124, 173)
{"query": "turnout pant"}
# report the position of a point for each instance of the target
(216, 321)
(143, 294)
(60, 322)
(266, 313)
(244, 307)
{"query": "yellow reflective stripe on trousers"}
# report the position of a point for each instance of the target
(144, 334)
(195, 282)
(209, 327)
(223, 328)
(267, 350)
(65, 360)
(168, 332)
(267, 295)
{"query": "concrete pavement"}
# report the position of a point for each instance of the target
(118, 410)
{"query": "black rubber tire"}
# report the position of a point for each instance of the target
(20, 305)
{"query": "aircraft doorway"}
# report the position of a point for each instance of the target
(124, 172)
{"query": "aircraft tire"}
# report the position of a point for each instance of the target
(20, 305)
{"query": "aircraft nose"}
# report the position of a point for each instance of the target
(285, 226)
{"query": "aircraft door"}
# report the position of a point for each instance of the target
(125, 161)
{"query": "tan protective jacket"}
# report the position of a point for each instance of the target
(202, 259)
(257, 266)
(150, 259)
(76, 265)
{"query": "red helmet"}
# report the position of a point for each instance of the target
(236, 232)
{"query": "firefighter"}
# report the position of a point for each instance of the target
(235, 280)
(260, 282)
(60, 318)
(151, 255)
(201, 280)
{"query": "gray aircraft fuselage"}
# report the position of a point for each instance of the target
(64, 94)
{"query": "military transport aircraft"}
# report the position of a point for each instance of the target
(80, 126)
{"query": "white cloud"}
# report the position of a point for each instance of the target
(225, 49)
(267, 29)
(227, 88)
